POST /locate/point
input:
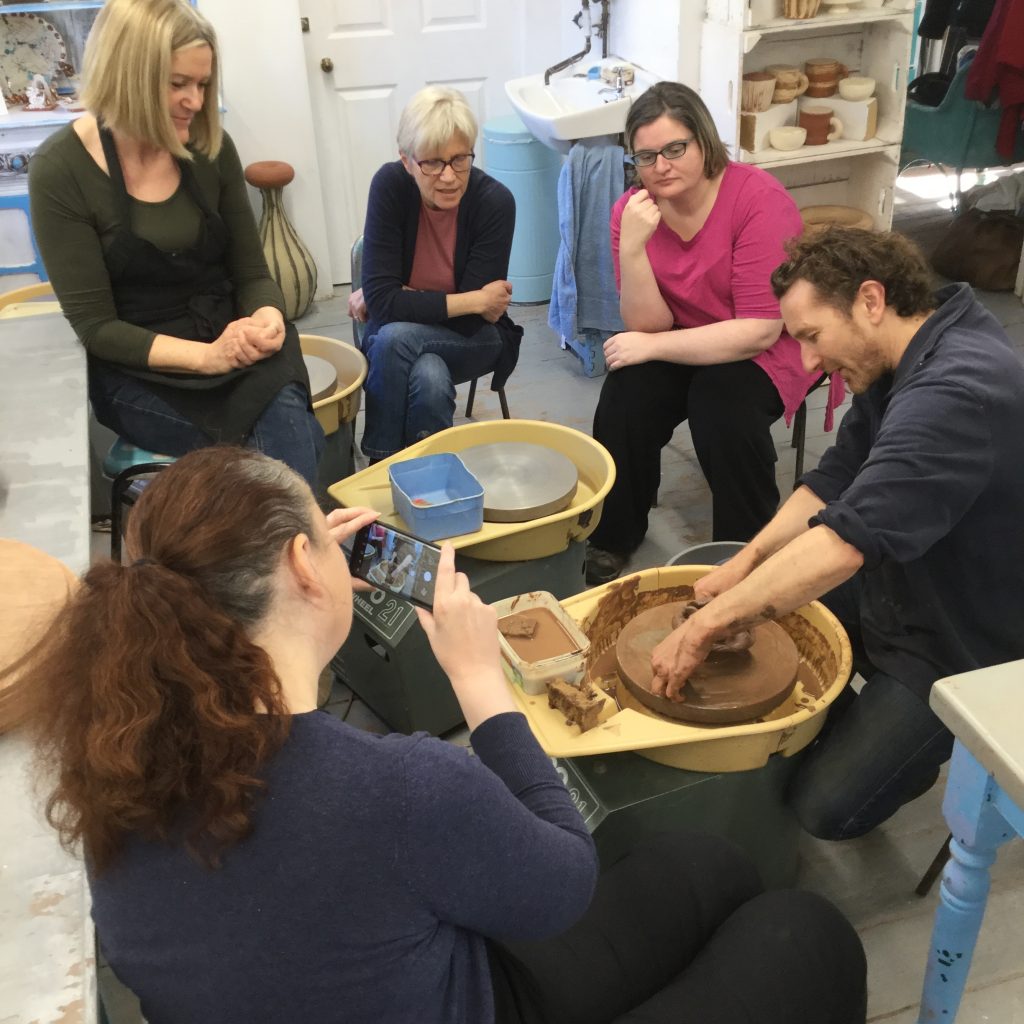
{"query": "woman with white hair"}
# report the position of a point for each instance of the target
(144, 224)
(435, 255)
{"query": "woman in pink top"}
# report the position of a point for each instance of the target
(694, 248)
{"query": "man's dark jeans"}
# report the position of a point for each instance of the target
(879, 749)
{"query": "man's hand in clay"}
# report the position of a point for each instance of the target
(627, 349)
(718, 581)
(640, 219)
(676, 658)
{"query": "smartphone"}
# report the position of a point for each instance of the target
(396, 562)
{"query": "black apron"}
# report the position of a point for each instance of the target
(188, 294)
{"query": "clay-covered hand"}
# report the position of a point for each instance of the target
(233, 349)
(495, 298)
(738, 642)
(719, 580)
(676, 658)
(640, 219)
(357, 306)
(462, 631)
(626, 349)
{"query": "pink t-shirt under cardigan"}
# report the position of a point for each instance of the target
(724, 271)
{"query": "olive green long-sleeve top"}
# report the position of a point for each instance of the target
(75, 218)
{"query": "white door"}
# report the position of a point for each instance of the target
(376, 54)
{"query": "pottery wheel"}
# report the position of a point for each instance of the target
(726, 688)
(521, 481)
(323, 377)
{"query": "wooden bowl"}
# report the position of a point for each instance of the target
(818, 218)
(33, 588)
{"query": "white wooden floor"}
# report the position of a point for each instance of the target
(871, 879)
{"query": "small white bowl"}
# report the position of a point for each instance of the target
(856, 87)
(787, 136)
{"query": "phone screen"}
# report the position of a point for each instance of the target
(396, 562)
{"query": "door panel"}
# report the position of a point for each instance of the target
(378, 53)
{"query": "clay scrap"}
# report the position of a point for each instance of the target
(517, 626)
(581, 704)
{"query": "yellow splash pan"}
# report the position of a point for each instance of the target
(824, 652)
(501, 542)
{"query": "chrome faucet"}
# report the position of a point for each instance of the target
(619, 89)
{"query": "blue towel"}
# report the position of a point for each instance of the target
(583, 294)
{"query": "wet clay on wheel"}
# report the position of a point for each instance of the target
(729, 686)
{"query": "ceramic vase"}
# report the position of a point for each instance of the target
(290, 262)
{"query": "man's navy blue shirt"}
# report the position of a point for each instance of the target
(926, 480)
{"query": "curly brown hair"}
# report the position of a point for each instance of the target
(838, 261)
(152, 709)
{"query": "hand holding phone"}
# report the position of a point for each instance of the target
(463, 634)
(396, 562)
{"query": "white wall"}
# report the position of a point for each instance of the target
(647, 33)
(268, 109)
(266, 85)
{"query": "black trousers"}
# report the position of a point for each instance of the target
(731, 408)
(679, 932)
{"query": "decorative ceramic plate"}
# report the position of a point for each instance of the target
(29, 45)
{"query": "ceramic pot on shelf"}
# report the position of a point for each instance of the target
(790, 82)
(822, 125)
(800, 10)
(291, 263)
(758, 89)
(823, 74)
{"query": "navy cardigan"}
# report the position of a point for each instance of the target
(483, 242)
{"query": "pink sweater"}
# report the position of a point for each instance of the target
(724, 271)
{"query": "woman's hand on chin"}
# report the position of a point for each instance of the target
(627, 349)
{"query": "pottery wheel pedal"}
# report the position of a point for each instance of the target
(728, 687)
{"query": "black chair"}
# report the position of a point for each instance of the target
(357, 332)
(800, 430)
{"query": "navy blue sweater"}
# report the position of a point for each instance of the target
(376, 868)
(926, 480)
(483, 243)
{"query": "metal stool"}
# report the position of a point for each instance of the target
(130, 469)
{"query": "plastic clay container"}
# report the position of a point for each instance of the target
(437, 496)
(532, 676)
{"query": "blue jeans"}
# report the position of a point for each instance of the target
(285, 430)
(878, 750)
(410, 386)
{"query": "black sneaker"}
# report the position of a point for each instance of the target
(603, 566)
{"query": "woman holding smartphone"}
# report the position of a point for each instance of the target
(253, 859)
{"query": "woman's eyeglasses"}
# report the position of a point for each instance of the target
(646, 157)
(459, 164)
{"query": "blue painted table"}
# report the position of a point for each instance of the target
(984, 806)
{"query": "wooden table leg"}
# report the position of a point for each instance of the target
(978, 830)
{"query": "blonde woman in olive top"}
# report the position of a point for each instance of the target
(141, 214)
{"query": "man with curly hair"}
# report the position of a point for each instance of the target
(910, 526)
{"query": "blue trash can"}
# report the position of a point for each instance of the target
(529, 170)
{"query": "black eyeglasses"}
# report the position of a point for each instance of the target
(460, 163)
(673, 151)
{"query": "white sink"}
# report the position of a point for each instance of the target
(571, 108)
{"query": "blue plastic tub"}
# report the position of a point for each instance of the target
(437, 496)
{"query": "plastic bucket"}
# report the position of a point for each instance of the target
(715, 553)
(529, 170)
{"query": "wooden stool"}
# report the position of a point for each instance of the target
(984, 806)
(289, 261)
